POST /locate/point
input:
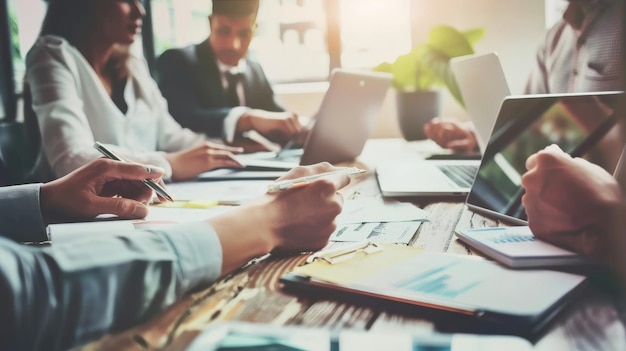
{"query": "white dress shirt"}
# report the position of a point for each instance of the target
(74, 110)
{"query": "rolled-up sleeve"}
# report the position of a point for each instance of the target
(63, 296)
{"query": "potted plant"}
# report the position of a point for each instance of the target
(417, 73)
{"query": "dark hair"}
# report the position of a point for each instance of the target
(235, 8)
(73, 20)
(69, 19)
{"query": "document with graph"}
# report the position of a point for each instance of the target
(510, 301)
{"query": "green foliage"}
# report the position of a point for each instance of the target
(15, 41)
(427, 65)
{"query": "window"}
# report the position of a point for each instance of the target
(373, 31)
(27, 16)
(299, 40)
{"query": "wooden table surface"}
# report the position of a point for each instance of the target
(253, 293)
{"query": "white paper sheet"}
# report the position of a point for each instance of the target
(376, 210)
(391, 232)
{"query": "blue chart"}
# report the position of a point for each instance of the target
(439, 282)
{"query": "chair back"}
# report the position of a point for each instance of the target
(18, 159)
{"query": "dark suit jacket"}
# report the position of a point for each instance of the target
(190, 81)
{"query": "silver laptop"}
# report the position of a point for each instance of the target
(483, 85)
(584, 125)
(342, 125)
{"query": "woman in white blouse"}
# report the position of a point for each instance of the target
(87, 87)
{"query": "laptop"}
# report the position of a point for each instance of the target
(343, 123)
(584, 125)
(483, 85)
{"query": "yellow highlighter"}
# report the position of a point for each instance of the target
(189, 204)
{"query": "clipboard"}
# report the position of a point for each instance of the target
(459, 293)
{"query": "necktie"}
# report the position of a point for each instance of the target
(232, 99)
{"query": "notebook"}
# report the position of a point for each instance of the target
(517, 247)
(478, 292)
(483, 86)
(343, 123)
(584, 125)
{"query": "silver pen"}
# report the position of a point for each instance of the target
(151, 183)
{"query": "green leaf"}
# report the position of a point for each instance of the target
(474, 35)
(427, 64)
(449, 41)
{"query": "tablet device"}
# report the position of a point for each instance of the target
(585, 125)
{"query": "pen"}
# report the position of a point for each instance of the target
(151, 183)
(304, 181)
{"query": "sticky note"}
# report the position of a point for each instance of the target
(190, 204)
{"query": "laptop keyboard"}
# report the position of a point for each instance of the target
(462, 175)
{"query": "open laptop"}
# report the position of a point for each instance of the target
(343, 123)
(483, 85)
(584, 125)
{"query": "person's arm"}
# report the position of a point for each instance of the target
(68, 294)
(263, 96)
(180, 90)
(264, 114)
(19, 214)
(60, 82)
(577, 205)
(63, 296)
(452, 134)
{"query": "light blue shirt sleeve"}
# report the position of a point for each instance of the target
(20, 214)
(63, 296)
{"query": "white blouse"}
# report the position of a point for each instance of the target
(74, 110)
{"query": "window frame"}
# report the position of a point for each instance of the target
(7, 85)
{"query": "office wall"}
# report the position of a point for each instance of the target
(514, 29)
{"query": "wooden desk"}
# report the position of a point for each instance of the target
(253, 293)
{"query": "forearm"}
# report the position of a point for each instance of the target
(243, 240)
(67, 295)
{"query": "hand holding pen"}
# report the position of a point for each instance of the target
(151, 183)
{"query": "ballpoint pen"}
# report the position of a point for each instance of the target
(304, 181)
(151, 183)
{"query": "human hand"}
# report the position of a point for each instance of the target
(451, 134)
(187, 164)
(303, 219)
(293, 220)
(279, 127)
(100, 187)
(569, 201)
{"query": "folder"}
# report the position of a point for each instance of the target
(465, 294)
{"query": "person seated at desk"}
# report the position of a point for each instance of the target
(577, 205)
(65, 295)
(213, 88)
(86, 86)
(581, 53)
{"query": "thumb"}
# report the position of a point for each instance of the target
(122, 207)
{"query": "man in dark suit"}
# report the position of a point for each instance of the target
(214, 89)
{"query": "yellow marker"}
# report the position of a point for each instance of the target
(189, 204)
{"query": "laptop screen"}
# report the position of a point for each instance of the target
(584, 125)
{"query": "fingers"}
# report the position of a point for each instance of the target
(461, 145)
(125, 170)
(125, 208)
(222, 147)
(219, 158)
(302, 171)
